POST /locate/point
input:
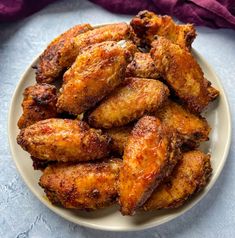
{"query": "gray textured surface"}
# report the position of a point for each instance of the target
(21, 214)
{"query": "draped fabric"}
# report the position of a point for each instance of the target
(211, 13)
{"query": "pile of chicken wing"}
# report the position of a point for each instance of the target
(115, 116)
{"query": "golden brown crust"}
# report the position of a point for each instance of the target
(130, 47)
(190, 127)
(105, 86)
(189, 176)
(39, 103)
(182, 73)
(59, 54)
(63, 140)
(150, 154)
(82, 186)
(94, 74)
(148, 26)
(110, 32)
(128, 102)
(119, 136)
(142, 66)
(62, 52)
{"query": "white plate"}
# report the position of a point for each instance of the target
(218, 116)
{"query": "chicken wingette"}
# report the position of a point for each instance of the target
(148, 26)
(142, 66)
(39, 103)
(119, 136)
(189, 176)
(183, 74)
(150, 154)
(62, 52)
(63, 140)
(130, 101)
(59, 54)
(193, 129)
(85, 186)
(94, 74)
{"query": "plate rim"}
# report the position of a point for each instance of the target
(104, 227)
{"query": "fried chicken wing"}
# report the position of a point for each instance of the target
(59, 54)
(62, 52)
(189, 176)
(149, 156)
(128, 102)
(110, 32)
(119, 136)
(182, 73)
(94, 74)
(82, 186)
(39, 103)
(192, 128)
(148, 26)
(142, 66)
(63, 140)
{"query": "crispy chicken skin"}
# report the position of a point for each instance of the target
(129, 46)
(182, 73)
(148, 26)
(39, 103)
(59, 54)
(142, 66)
(128, 102)
(63, 140)
(192, 128)
(94, 74)
(149, 156)
(189, 176)
(119, 136)
(82, 186)
(62, 52)
(110, 32)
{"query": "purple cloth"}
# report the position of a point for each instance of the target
(11, 10)
(212, 13)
